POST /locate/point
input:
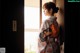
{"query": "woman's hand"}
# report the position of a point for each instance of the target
(47, 33)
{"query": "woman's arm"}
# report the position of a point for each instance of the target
(44, 31)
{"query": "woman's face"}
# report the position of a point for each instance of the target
(46, 12)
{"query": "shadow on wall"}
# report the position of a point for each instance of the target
(60, 14)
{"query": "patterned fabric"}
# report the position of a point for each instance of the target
(52, 44)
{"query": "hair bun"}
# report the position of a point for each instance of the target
(56, 9)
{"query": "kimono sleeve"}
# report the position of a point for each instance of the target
(43, 27)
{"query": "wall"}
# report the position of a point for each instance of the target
(60, 14)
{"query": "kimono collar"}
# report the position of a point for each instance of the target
(52, 17)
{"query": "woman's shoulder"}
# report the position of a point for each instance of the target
(46, 21)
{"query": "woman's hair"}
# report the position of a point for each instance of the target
(51, 5)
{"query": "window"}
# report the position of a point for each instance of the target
(32, 23)
(31, 15)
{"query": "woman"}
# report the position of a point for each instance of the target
(50, 35)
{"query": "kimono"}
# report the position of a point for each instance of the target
(49, 44)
